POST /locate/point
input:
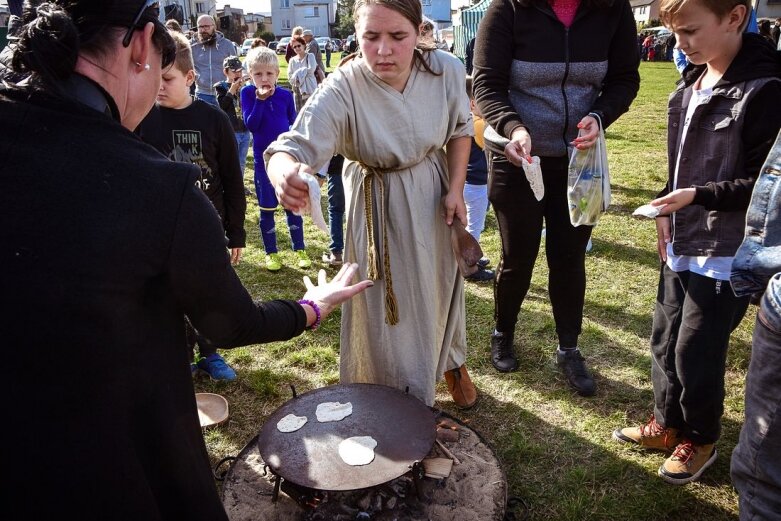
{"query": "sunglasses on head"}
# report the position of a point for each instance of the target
(148, 4)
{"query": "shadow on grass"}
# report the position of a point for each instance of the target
(564, 476)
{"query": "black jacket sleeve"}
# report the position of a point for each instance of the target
(208, 289)
(762, 121)
(493, 58)
(232, 179)
(622, 80)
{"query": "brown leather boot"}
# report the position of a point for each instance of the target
(461, 387)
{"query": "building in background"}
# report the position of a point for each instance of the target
(255, 21)
(645, 10)
(188, 11)
(316, 15)
(767, 8)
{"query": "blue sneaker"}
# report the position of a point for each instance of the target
(217, 368)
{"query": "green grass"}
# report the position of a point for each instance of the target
(555, 446)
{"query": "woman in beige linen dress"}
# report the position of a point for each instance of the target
(390, 112)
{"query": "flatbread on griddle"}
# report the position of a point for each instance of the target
(291, 423)
(333, 411)
(357, 450)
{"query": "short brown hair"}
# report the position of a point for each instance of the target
(668, 9)
(184, 55)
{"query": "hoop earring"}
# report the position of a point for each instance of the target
(146, 66)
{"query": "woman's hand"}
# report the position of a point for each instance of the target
(589, 132)
(675, 200)
(329, 295)
(236, 256)
(520, 145)
(662, 236)
(453, 206)
(292, 191)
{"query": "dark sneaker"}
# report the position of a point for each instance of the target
(217, 368)
(649, 436)
(502, 353)
(193, 369)
(687, 463)
(484, 262)
(481, 275)
(572, 364)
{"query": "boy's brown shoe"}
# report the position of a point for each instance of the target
(649, 436)
(687, 462)
(461, 387)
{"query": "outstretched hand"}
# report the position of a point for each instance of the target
(674, 201)
(329, 295)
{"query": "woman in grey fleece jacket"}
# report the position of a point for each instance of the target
(543, 72)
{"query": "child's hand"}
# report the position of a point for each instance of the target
(662, 236)
(265, 91)
(675, 200)
(236, 256)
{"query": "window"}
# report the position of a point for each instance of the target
(285, 24)
(312, 12)
(199, 7)
(426, 3)
(284, 4)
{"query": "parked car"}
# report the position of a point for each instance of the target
(273, 45)
(321, 41)
(246, 46)
(282, 45)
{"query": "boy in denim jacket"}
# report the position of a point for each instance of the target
(722, 119)
(756, 468)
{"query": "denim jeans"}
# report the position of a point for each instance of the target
(756, 461)
(336, 212)
(243, 140)
(476, 200)
(211, 99)
(756, 465)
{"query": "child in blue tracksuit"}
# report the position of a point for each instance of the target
(268, 112)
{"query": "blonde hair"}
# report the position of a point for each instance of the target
(184, 55)
(261, 56)
(669, 9)
(297, 31)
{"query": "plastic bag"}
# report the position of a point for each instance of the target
(588, 182)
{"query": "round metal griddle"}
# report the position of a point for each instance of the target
(404, 428)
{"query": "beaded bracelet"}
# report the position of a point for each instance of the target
(316, 308)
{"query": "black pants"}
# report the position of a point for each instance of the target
(519, 216)
(693, 319)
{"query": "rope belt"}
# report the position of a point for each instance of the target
(371, 173)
